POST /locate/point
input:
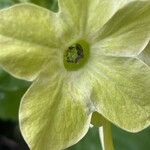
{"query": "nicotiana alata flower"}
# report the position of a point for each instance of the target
(90, 56)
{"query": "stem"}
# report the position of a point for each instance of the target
(105, 133)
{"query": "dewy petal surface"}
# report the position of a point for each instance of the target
(127, 33)
(29, 36)
(53, 113)
(121, 90)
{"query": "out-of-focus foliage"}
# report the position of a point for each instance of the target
(50, 4)
(131, 141)
(11, 91)
(6, 3)
(90, 142)
(122, 140)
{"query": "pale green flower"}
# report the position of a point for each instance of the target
(91, 56)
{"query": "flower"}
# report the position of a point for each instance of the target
(91, 56)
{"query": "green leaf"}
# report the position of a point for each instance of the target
(127, 32)
(52, 115)
(11, 91)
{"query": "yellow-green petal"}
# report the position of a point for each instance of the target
(99, 12)
(121, 91)
(88, 16)
(145, 55)
(127, 32)
(53, 113)
(29, 36)
(73, 13)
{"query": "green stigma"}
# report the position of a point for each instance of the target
(76, 55)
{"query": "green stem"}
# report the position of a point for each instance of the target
(106, 136)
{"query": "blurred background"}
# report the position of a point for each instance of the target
(11, 91)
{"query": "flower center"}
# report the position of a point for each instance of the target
(76, 55)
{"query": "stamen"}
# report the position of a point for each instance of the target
(74, 54)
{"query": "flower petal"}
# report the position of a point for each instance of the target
(121, 91)
(128, 31)
(99, 12)
(86, 16)
(73, 14)
(53, 113)
(28, 36)
(145, 55)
